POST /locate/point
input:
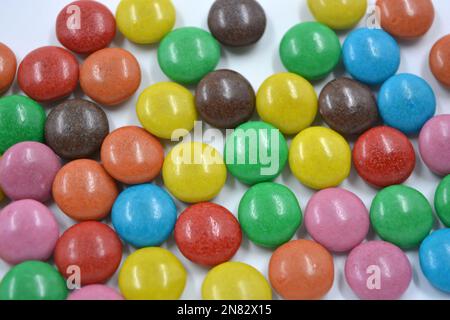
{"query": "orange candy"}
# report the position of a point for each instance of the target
(440, 60)
(8, 66)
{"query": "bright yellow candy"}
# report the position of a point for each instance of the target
(152, 274)
(288, 102)
(194, 172)
(145, 21)
(235, 281)
(320, 158)
(338, 14)
(167, 110)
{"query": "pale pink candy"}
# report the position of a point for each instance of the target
(95, 292)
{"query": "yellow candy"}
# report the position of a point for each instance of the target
(288, 102)
(338, 14)
(320, 158)
(235, 281)
(152, 274)
(145, 21)
(165, 108)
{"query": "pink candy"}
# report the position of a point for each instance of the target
(95, 292)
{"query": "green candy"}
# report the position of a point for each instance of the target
(442, 201)
(256, 152)
(270, 214)
(311, 50)
(186, 55)
(33, 280)
(21, 119)
(402, 215)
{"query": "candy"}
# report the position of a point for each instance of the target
(340, 14)
(288, 102)
(384, 156)
(269, 214)
(237, 23)
(208, 234)
(28, 231)
(95, 292)
(76, 128)
(110, 76)
(145, 21)
(406, 102)
(301, 270)
(256, 152)
(235, 281)
(27, 170)
(434, 145)
(21, 119)
(439, 60)
(401, 215)
(194, 172)
(83, 190)
(48, 74)
(311, 50)
(144, 215)
(371, 55)
(132, 156)
(378, 270)
(188, 54)
(320, 158)
(33, 280)
(152, 274)
(167, 110)
(442, 201)
(85, 26)
(8, 66)
(225, 99)
(348, 107)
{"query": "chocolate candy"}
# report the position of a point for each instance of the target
(340, 14)
(8, 66)
(225, 99)
(439, 60)
(237, 23)
(76, 128)
(442, 201)
(95, 292)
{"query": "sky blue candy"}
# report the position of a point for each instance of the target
(144, 215)
(406, 102)
(371, 55)
(434, 257)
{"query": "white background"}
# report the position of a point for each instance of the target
(29, 24)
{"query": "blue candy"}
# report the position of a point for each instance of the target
(371, 55)
(144, 215)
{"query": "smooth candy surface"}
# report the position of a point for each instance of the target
(95, 292)
(442, 201)
(8, 66)
(340, 14)
(439, 60)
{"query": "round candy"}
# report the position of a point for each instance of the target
(188, 54)
(439, 60)
(208, 234)
(76, 128)
(320, 158)
(27, 171)
(194, 172)
(145, 21)
(167, 110)
(301, 270)
(348, 107)
(110, 76)
(21, 119)
(131, 155)
(311, 50)
(152, 274)
(28, 231)
(33, 280)
(406, 102)
(83, 190)
(406, 18)
(384, 156)
(340, 14)
(237, 23)
(337, 219)
(288, 102)
(85, 26)
(144, 215)
(270, 214)
(8, 66)
(95, 292)
(401, 215)
(442, 201)
(378, 270)
(48, 74)
(225, 99)
(235, 281)
(371, 55)
(434, 144)
(256, 152)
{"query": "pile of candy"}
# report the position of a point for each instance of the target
(144, 215)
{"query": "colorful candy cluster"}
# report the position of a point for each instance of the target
(144, 215)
